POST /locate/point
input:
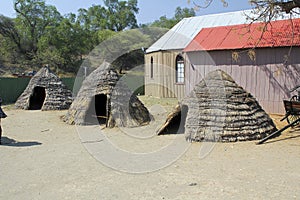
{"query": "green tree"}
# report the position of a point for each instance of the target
(8, 52)
(103, 35)
(163, 22)
(121, 14)
(115, 15)
(8, 30)
(180, 13)
(93, 18)
(33, 18)
(64, 45)
(40, 35)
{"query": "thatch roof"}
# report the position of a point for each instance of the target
(123, 108)
(57, 96)
(221, 110)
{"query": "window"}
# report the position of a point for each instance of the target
(151, 68)
(179, 69)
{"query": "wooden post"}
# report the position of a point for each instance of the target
(279, 131)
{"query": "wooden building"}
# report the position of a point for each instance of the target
(264, 63)
(165, 66)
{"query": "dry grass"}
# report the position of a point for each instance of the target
(276, 119)
(167, 103)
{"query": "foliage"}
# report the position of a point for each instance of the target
(164, 22)
(41, 35)
(125, 49)
(115, 15)
(7, 51)
(8, 29)
(33, 18)
(121, 14)
(180, 13)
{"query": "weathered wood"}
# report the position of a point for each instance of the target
(267, 78)
(163, 83)
(103, 117)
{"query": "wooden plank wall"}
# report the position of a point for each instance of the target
(266, 77)
(163, 84)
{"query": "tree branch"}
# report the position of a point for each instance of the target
(288, 6)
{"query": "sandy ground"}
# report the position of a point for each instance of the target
(43, 158)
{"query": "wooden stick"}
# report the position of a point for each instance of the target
(103, 117)
(279, 131)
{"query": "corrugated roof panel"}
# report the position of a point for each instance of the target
(278, 34)
(184, 32)
(163, 41)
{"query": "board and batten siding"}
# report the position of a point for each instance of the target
(163, 83)
(267, 78)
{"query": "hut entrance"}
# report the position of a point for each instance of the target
(175, 121)
(97, 112)
(173, 126)
(100, 107)
(37, 98)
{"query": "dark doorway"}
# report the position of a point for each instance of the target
(97, 112)
(100, 107)
(37, 98)
(177, 122)
(174, 126)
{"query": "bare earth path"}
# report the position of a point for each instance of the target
(47, 160)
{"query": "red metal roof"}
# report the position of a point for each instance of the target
(277, 34)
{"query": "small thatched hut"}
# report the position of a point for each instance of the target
(104, 99)
(45, 91)
(220, 110)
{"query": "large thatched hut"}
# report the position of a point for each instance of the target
(45, 91)
(220, 110)
(105, 99)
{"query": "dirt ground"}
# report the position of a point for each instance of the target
(43, 158)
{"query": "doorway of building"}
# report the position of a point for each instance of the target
(101, 108)
(97, 112)
(37, 98)
(175, 123)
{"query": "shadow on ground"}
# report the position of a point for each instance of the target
(283, 139)
(13, 143)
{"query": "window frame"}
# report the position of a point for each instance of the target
(151, 68)
(180, 69)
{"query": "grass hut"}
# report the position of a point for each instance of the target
(105, 99)
(45, 91)
(220, 110)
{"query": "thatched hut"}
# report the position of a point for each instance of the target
(220, 110)
(45, 91)
(104, 99)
